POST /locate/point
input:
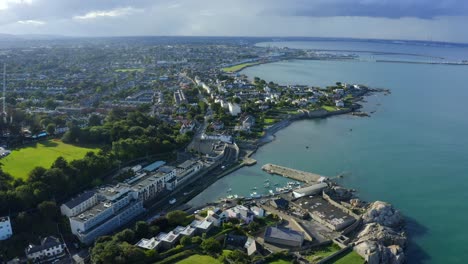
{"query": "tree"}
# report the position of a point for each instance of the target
(238, 257)
(126, 235)
(50, 129)
(185, 241)
(142, 229)
(211, 246)
(50, 104)
(94, 120)
(48, 209)
(253, 226)
(196, 240)
(177, 217)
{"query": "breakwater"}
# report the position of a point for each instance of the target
(298, 175)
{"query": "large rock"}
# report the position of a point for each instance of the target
(375, 253)
(384, 214)
(382, 234)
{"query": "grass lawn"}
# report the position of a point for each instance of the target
(322, 253)
(351, 258)
(280, 261)
(270, 121)
(131, 70)
(329, 108)
(239, 67)
(21, 161)
(199, 259)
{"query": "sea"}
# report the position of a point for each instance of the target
(411, 152)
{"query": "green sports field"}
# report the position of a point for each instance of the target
(21, 161)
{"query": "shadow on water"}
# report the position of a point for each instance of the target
(414, 253)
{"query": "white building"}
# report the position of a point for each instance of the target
(117, 206)
(223, 138)
(5, 228)
(206, 87)
(257, 211)
(234, 109)
(187, 169)
(50, 249)
(79, 204)
(186, 127)
(339, 103)
(240, 212)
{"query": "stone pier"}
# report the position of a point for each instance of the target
(298, 175)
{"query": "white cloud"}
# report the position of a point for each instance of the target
(108, 13)
(31, 22)
(5, 4)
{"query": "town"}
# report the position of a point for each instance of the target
(102, 136)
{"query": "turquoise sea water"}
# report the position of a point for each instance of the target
(412, 152)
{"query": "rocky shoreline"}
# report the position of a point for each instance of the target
(381, 237)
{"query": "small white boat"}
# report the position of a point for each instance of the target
(172, 201)
(229, 190)
(255, 195)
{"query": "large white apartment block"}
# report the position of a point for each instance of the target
(79, 204)
(5, 228)
(97, 213)
(117, 205)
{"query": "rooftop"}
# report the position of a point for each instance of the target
(154, 166)
(93, 211)
(47, 242)
(323, 209)
(284, 233)
(186, 164)
(148, 243)
(79, 199)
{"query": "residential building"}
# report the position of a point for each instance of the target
(257, 211)
(202, 226)
(117, 206)
(284, 237)
(151, 243)
(339, 103)
(217, 125)
(248, 122)
(5, 228)
(51, 248)
(240, 212)
(79, 203)
(187, 169)
(234, 109)
(187, 126)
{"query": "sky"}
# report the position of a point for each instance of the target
(438, 20)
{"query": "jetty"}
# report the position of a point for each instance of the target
(298, 175)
